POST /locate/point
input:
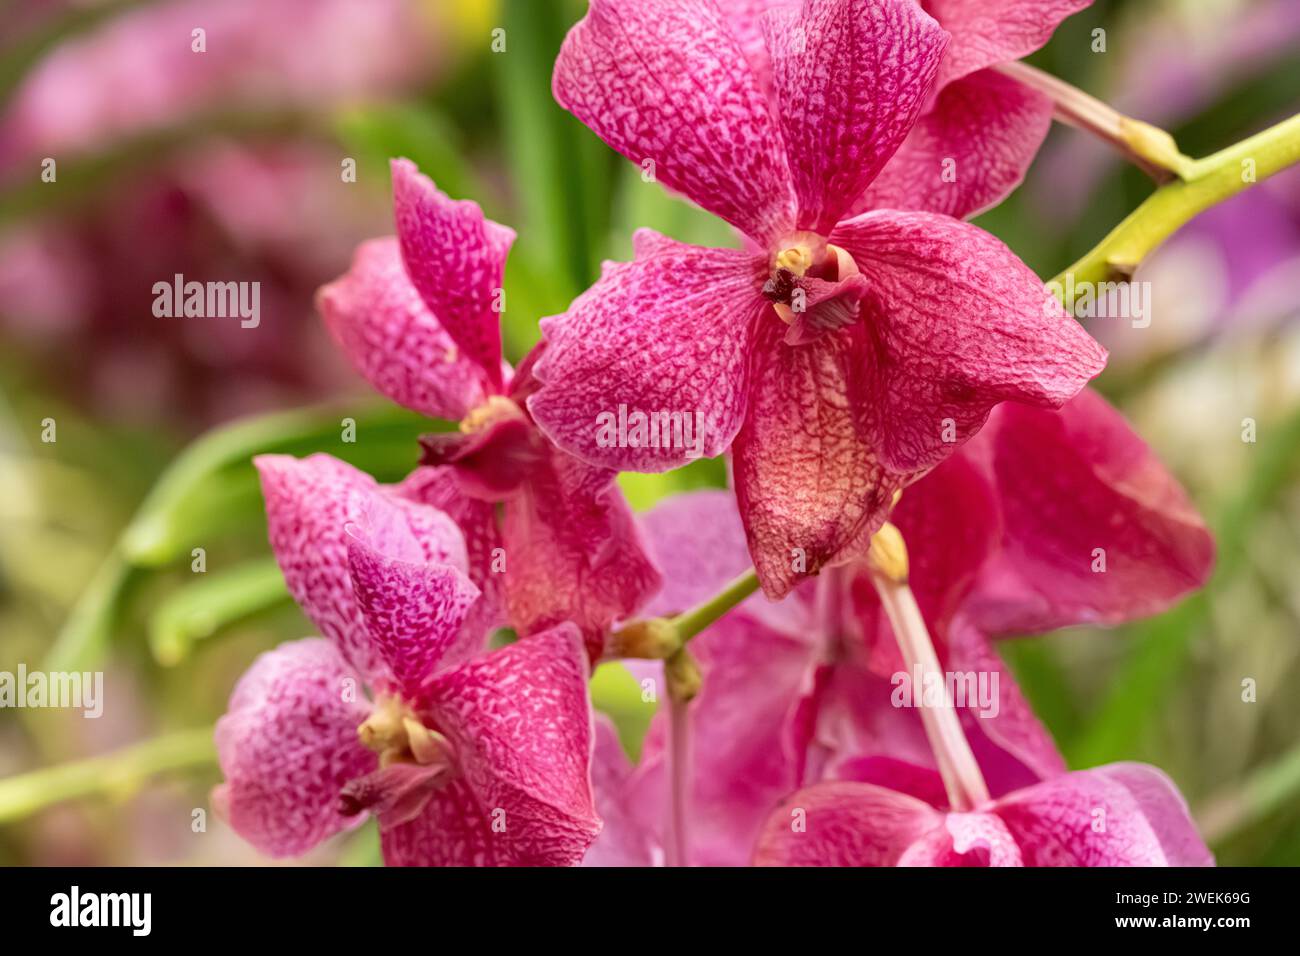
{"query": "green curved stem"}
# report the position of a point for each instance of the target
(116, 772)
(691, 622)
(1207, 182)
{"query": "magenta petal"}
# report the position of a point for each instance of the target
(965, 839)
(288, 744)
(665, 83)
(413, 611)
(1118, 815)
(521, 727)
(664, 339)
(623, 840)
(393, 340)
(844, 824)
(961, 324)
(309, 503)
(477, 520)
(1079, 487)
(575, 552)
(456, 258)
(968, 152)
(700, 546)
(808, 485)
(850, 78)
(985, 32)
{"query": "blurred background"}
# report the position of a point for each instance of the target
(228, 165)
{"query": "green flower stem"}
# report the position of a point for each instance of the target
(1207, 182)
(691, 622)
(121, 771)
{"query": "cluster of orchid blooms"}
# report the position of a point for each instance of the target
(917, 465)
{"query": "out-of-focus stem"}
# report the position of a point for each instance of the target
(961, 774)
(1150, 147)
(677, 846)
(116, 772)
(1208, 182)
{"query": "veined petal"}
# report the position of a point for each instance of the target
(648, 368)
(287, 746)
(575, 552)
(520, 724)
(456, 258)
(808, 484)
(477, 520)
(392, 339)
(665, 82)
(1095, 529)
(985, 32)
(413, 611)
(850, 77)
(967, 152)
(1118, 815)
(959, 324)
(844, 824)
(309, 503)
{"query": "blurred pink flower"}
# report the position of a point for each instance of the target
(848, 356)
(139, 72)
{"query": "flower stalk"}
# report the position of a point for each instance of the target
(1208, 182)
(962, 779)
(1149, 147)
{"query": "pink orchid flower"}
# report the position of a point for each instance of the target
(1124, 814)
(419, 317)
(464, 758)
(979, 130)
(838, 358)
(1002, 539)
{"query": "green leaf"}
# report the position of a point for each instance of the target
(214, 601)
(616, 693)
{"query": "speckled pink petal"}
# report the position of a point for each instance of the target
(967, 152)
(520, 723)
(288, 744)
(456, 259)
(960, 325)
(850, 77)
(965, 839)
(662, 339)
(808, 485)
(393, 340)
(413, 611)
(843, 824)
(665, 83)
(309, 502)
(574, 552)
(1096, 530)
(477, 520)
(985, 32)
(1118, 815)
